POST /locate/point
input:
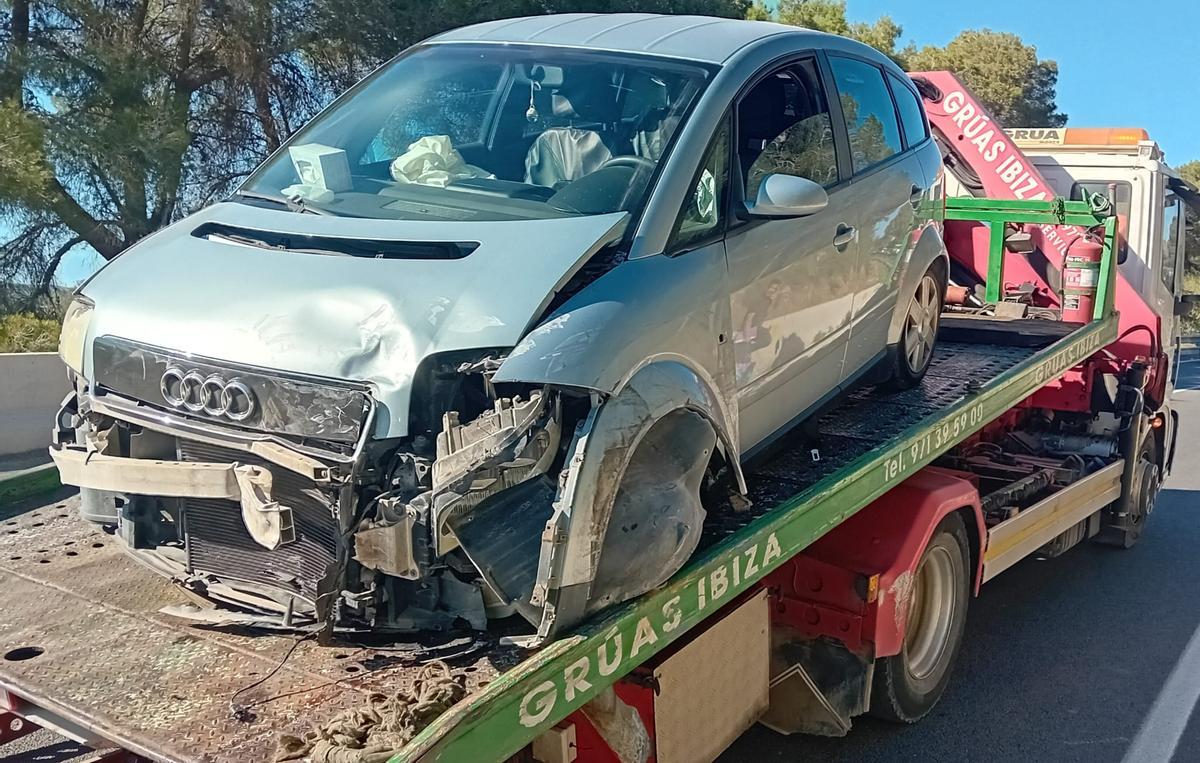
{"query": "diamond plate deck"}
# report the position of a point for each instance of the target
(157, 685)
(866, 419)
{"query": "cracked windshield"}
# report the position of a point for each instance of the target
(479, 132)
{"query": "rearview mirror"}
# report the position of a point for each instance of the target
(1184, 304)
(782, 195)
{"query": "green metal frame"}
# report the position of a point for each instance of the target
(996, 213)
(527, 700)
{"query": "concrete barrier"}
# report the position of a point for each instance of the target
(32, 384)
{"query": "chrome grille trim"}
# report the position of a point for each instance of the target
(287, 404)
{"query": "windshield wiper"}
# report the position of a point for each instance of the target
(293, 204)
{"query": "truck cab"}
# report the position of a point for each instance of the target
(1130, 167)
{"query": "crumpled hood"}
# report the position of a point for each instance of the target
(342, 317)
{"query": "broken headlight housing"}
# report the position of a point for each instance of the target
(73, 337)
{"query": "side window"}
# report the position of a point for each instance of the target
(870, 116)
(912, 116)
(784, 127)
(705, 206)
(1170, 241)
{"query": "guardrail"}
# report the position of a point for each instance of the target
(32, 385)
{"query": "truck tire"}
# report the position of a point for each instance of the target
(906, 686)
(918, 335)
(1125, 531)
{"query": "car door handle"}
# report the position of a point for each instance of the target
(844, 235)
(915, 194)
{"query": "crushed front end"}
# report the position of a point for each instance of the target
(266, 493)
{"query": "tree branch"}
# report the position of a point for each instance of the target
(12, 79)
(43, 289)
(75, 217)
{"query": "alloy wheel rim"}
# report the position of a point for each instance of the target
(920, 325)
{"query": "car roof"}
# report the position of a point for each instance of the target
(698, 38)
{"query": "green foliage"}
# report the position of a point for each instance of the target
(22, 332)
(830, 16)
(1003, 72)
(758, 11)
(117, 118)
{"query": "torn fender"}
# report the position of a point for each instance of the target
(628, 513)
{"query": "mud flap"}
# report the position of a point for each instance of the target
(503, 538)
(817, 686)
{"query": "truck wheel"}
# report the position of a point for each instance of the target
(914, 351)
(906, 686)
(1125, 531)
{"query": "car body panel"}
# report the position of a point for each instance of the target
(887, 221)
(342, 317)
(642, 312)
(696, 38)
(791, 299)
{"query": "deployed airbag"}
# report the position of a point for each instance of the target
(434, 161)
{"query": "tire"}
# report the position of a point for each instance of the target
(1125, 532)
(918, 335)
(906, 686)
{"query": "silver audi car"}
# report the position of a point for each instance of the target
(497, 331)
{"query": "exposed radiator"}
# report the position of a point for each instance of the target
(218, 543)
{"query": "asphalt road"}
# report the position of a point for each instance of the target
(1064, 659)
(1068, 659)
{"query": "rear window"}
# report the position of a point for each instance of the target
(912, 116)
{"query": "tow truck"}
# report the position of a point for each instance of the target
(1045, 421)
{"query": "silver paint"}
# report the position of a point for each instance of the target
(340, 317)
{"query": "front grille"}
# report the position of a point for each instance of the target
(328, 412)
(218, 543)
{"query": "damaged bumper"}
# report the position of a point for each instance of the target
(269, 523)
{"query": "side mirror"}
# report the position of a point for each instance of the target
(1185, 303)
(787, 196)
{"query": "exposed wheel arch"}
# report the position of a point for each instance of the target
(605, 448)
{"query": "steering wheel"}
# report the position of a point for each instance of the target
(568, 198)
(631, 161)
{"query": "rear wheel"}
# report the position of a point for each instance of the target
(1127, 520)
(918, 336)
(906, 686)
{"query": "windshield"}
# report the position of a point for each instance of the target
(486, 132)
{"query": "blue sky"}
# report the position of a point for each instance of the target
(1121, 63)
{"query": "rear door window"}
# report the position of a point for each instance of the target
(912, 116)
(870, 115)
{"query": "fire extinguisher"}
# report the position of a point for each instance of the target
(1081, 275)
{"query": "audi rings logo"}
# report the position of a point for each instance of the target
(195, 392)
